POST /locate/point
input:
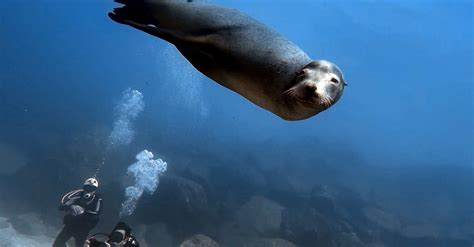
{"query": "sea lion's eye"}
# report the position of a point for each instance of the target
(334, 80)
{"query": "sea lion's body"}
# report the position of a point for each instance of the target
(229, 47)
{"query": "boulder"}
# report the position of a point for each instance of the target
(255, 241)
(157, 234)
(140, 233)
(179, 203)
(231, 234)
(279, 188)
(260, 214)
(12, 160)
(348, 239)
(323, 199)
(376, 245)
(4, 223)
(271, 242)
(237, 183)
(29, 224)
(383, 219)
(421, 231)
(10, 237)
(199, 240)
(306, 227)
(200, 174)
(176, 198)
(337, 202)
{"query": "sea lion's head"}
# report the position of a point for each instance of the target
(316, 87)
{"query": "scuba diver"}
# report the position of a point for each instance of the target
(83, 208)
(121, 236)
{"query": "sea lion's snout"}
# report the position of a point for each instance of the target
(310, 92)
(328, 80)
(317, 87)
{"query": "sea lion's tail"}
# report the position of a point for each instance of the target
(137, 15)
(132, 10)
(138, 2)
(130, 2)
(136, 10)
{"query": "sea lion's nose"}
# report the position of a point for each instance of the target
(311, 88)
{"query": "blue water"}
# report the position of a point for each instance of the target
(401, 136)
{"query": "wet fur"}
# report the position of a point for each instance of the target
(229, 47)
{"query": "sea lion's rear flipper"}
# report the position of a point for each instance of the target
(155, 17)
(136, 15)
(129, 2)
(141, 2)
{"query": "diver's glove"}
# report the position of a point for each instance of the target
(76, 210)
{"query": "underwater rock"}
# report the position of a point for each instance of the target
(4, 223)
(51, 175)
(280, 189)
(271, 242)
(158, 233)
(305, 227)
(421, 231)
(344, 209)
(308, 227)
(348, 239)
(179, 203)
(237, 183)
(200, 174)
(462, 231)
(337, 202)
(254, 241)
(12, 160)
(260, 214)
(232, 235)
(28, 224)
(199, 240)
(261, 242)
(324, 200)
(181, 195)
(376, 245)
(383, 219)
(10, 237)
(139, 232)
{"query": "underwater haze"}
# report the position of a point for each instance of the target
(389, 165)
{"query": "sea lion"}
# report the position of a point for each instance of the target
(239, 53)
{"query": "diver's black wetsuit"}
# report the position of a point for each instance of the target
(121, 235)
(130, 241)
(78, 226)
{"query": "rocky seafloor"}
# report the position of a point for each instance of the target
(236, 202)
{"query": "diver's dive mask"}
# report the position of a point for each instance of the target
(120, 233)
(89, 188)
(117, 236)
